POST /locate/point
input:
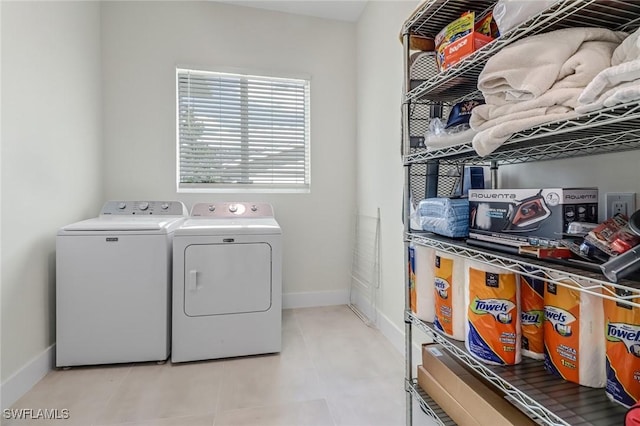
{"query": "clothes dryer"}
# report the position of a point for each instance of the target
(227, 291)
(113, 284)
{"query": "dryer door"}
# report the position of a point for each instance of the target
(229, 278)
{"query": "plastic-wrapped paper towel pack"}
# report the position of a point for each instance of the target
(492, 328)
(573, 335)
(449, 295)
(532, 315)
(424, 259)
(622, 334)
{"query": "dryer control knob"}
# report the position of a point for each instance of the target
(164, 206)
(212, 208)
(143, 206)
(254, 208)
(122, 206)
(233, 208)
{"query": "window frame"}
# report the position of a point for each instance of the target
(239, 187)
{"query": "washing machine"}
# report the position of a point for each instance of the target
(227, 282)
(113, 284)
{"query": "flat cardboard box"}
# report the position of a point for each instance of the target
(488, 407)
(447, 402)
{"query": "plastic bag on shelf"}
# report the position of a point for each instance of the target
(510, 13)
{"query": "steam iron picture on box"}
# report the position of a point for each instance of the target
(527, 214)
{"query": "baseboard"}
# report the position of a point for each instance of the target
(395, 335)
(24, 379)
(315, 298)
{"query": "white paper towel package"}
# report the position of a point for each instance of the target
(425, 275)
(492, 326)
(449, 295)
(573, 334)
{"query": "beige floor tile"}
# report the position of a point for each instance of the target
(328, 319)
(174, 421)
(83, 391)
(369, 402)
(307, 413)
(165, 391)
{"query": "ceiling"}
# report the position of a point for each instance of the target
(343, 10)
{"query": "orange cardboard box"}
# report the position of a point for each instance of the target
(454, 52)
(447, 402)
(488, 407)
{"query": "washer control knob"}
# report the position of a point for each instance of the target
(254, 208)
(143, 206)
(233, 208)
(164, 206)
(122, 206)
(212, 208)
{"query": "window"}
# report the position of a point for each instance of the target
(238, 131)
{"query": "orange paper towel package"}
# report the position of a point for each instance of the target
(492, 328)
(532, 305)
(573, 337)
(449, 295)
(622, 332)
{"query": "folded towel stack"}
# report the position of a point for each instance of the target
(538, 80)
(617, 84)
(445, 216)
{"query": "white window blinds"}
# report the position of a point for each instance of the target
(242, 131)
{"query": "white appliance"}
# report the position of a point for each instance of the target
(113, 284)
(227, 282)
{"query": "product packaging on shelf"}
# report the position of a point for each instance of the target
(461, 38)
(442, 377)
(411, 266)
(536, 217)
(449, 295)
(622, 333)
(573, 338)
(532, 306)
(424, 258)
(492, 329)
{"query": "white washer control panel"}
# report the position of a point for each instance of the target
(232, 210)
(165, 208)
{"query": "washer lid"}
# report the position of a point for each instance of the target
(126, 223)
(206, 226)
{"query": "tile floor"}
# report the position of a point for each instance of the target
(333, 370)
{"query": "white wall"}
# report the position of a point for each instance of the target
(616, 172)
(51, 158)
(142, 44)
(379, 162)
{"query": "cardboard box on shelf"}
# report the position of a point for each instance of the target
(489, 408)
(461, 38)
(536, 217)
(447, 402)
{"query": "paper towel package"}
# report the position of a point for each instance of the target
(573, 339)
(449, 295)
(492, 328)
(424, 258)
(622, 333)
(412, 277)
(532, 306)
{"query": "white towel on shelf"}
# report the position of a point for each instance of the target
(629, 49)
(620, 94)
(497, 123)
(608, 79)
(529, 67)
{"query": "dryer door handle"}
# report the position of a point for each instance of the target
(193, 280)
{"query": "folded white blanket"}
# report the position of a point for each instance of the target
(608, 79)
(497, 123)
(529, 67)
(620, 94)
(629, 49)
